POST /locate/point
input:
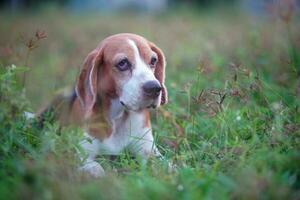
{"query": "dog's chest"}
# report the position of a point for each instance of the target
(126, 132)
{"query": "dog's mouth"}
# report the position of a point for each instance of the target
(123, 104)
(152, 105)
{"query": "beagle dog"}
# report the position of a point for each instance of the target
(119, 81)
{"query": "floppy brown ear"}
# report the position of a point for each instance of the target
(86, 86)
(160, 72)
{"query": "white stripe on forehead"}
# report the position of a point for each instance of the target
(141, 70)
(135, 49)
(137, 57)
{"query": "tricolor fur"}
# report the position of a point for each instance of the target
(111, 100)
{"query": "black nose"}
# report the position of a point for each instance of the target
(152, 89)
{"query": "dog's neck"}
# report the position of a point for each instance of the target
(116, 110)
(108, 113)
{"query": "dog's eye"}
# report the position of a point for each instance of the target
(153, 62)
(123, 65)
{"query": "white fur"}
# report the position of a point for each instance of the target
(91, 81)
(91, 147)
(132, 94)
(93, 168)
(129, 134)
(29, 115)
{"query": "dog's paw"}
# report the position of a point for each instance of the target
(29, 115)
(93, 168)
(172, 168)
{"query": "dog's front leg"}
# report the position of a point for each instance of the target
(91, 146)
(143, 145)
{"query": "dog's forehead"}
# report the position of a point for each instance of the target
(126, 44)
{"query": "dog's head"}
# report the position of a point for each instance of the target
(125, 67)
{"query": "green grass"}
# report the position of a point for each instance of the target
(232, 125)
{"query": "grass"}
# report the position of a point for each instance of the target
(232, 125)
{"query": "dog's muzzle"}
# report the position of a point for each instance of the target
(151, 89)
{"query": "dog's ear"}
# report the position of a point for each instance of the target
(160, 72)
(86, 85)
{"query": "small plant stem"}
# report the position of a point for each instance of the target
(26, 65)
(293, 51)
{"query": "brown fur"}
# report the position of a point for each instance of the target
(147, 122)
(96, 85)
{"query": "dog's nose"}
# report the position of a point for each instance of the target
(152, 89)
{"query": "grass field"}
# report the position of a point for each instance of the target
(232, 125)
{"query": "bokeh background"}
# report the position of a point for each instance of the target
(191, 33)
(232, 125)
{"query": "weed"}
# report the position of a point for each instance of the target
(231, 126)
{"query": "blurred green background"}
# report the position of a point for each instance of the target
(189, 32)
(232, 122)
